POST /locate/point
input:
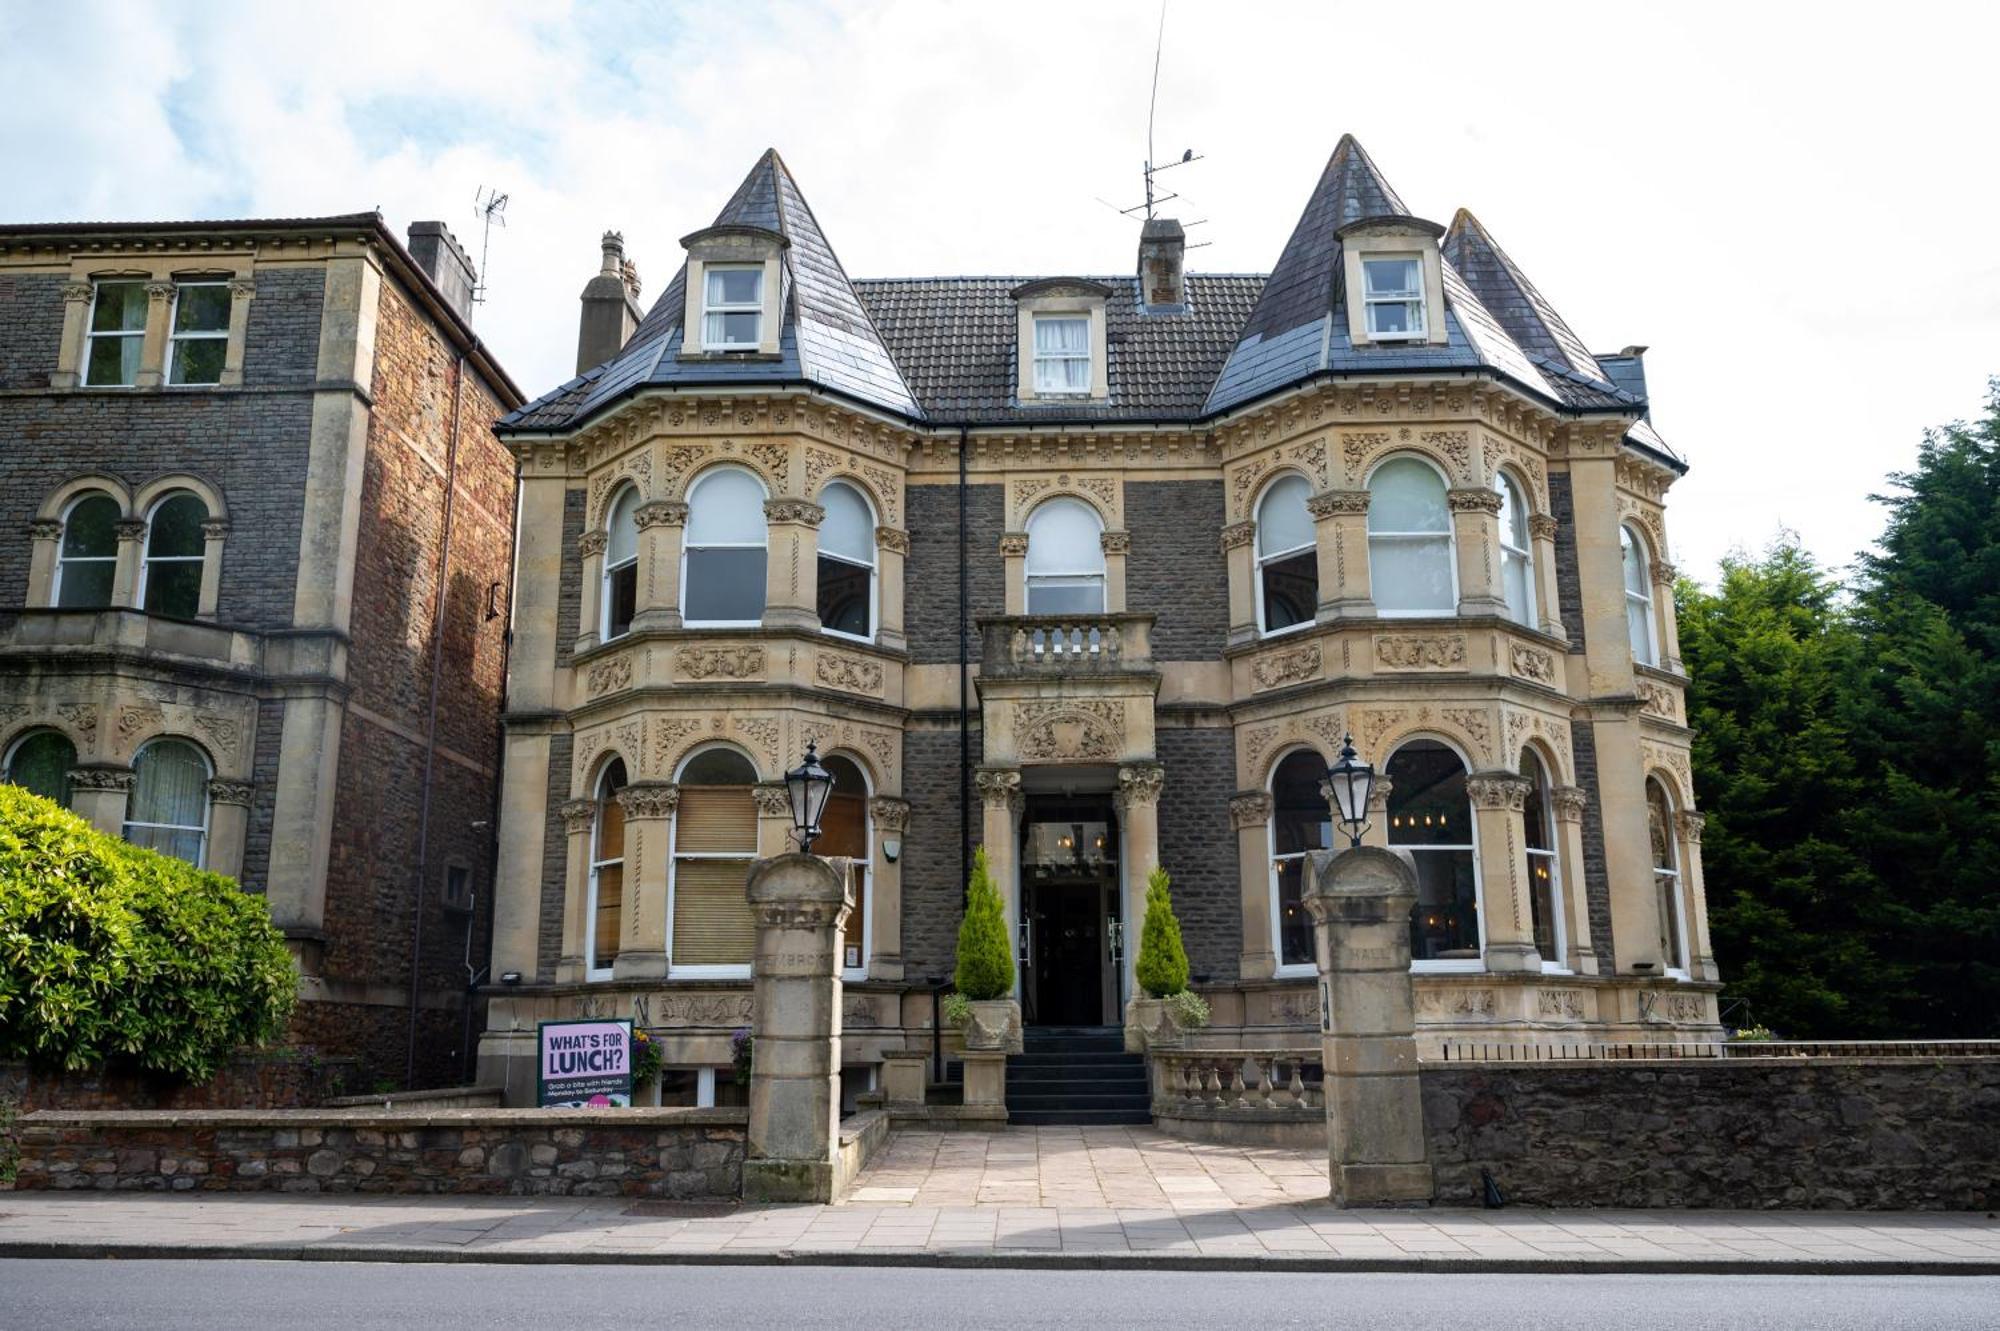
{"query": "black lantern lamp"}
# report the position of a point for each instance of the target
(807, 786)
(1351, 783)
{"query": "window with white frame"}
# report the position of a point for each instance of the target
(1430, 815)
(1638, 598)
(1287, 557)
(87, 557)
(1301, 821)
(1517, 569)
(1065, 563)
(722, 562)
(621, 564)
(199, 332)
(732, 307)
(176, 551)
(607, 874)
(1411, 565)
(715, 842)
(1062, 353)
(845, 830)
(847, 563)
(1393, 292)
(117, 334)
(1666, 879)
(1545, 899)
(168, 808)
(40, 763)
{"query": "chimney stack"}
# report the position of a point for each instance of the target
(444, 260)
(1162, 256)
(611, 310)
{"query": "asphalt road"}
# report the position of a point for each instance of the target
(220, 1296)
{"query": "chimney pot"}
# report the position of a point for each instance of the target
(610, 306)
(444, 260)
(1162, 261)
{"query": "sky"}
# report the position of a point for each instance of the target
(1764, 195)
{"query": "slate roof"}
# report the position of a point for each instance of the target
(943, 349)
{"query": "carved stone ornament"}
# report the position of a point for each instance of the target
(1332, 503)
(1657, 700)
(889, 814)
(730, 1010)
(1069, 730)
(999, 787)
(1563, 1004)
(1409, 651)
(1664, 573)
(230, 792)
(1115, 542)
(215, 529)
(577, 815)
(1252, 808)
(1498, 790)
(592, 543)
(794, 510)
(130, 529)
(1569, 802)
(856, 674)
(1541, 527)
(772, 799)
(1014, 544)
(1140, 783)
(608, 675)
(76, 291)
(1476, 499)
(662, 513)
(650, 799)
(1691, 824)
(719, 662)
(1532, 663)
(101, 778)
(1286, 667)
(45, 529)
(242, 289)
(1238, 533)
(894, 539)
(160, 290)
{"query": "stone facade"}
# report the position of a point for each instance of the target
(357, 516)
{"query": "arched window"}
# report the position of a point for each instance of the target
(715, 839)
(1545, 899)
(1301, 820)
(1287, 557)
(1517, 563)
(1410, 566)
(168, 809)
(844, 830)
(607, 874)
(1430, 816)
(847, 563)
(1065, 565)
(40, 762)
(175, 552)
(87, 560)
(1666, 879)
(1638, 598)
(722, 566)
(621, 564)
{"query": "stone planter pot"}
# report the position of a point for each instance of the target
(995, 1024)
(1150, 1024)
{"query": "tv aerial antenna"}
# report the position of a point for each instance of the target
(1153, 166)
(490, 206)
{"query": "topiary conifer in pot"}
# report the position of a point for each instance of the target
(985, 972)
(1164, 1007)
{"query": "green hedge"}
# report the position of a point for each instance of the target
(113, 953)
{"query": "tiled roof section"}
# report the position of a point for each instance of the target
(1521, 309)
(553, 409)
(956, 339)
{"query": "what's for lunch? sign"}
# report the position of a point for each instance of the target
(584, 1064)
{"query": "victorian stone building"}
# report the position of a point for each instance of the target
(252, 584)
(1095, 571)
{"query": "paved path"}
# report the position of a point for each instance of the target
(1048, 1196)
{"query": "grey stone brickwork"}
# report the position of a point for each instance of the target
(1199, 849)
(1175, 569)
(569, 595)
(1596, 877)
(284, 316)
(31, 320)
(1569, 585)
(930, 595)
(264, 795)
(1743, 1133)
(555, 858)
(933, 892)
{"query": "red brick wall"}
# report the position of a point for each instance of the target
(254, 1081)
(373, 894)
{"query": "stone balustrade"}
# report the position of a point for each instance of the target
(1065, 644)
(1248, 1084)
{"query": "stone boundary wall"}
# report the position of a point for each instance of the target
(1846, 1134)
(251, 1081)
(658, 1153)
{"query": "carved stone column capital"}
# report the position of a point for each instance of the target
(1014, 543)
(1569, 802)
(889, 814)
(215, 529)
(242, 288)
(76, 292)
(999, 787)
(577, 816)
(1474, 499)
(101, 778)
(800, 511)
(1140, 783)
(1331, 503)
(1238, 533)
(592, 543)
(1378, 796)
(230, 792)
(131, 529)
(650, 799)
(893, 539)
(773, 800)
(661, 513)
(1115, 542)
(1498, 790)
(159, 290)
(1664, 573)
(45, 529)
(1691, 824)
(1541, 527)
(1250, 808)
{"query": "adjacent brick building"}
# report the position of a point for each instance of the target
(253, 591)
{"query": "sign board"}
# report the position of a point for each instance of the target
(583, 1064)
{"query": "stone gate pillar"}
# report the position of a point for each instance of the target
(1360, 903)
(799, 902)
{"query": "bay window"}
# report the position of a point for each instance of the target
(168, 808)
(1287, 557)
(714, 844)
(1411, 565)
(847, 563)
(1430, 815)
(723, 563)
(1301, 821)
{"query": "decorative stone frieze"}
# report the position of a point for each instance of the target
(855, 674)
(1252, 808)
(719, 662)
(1069, 730)
(1533, 663)
(605, 676)
(1657, 700)
(1429, 651)
(1293, 665)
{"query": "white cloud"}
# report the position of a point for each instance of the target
(1762, 199)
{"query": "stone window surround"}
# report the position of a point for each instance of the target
(101, 793)
(1061, 296)
(733, 245)
(160, 274)
(135, 511)
(1257, 557)
(1387, 236)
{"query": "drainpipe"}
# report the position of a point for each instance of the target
(430, 724)
(964, 686)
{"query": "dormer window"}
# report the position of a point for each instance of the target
(1393, 289)
(1062, 353)
(733, 307)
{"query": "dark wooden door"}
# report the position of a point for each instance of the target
(1069, 947)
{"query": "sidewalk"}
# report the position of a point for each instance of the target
(1051, 1197)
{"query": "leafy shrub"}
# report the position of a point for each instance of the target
(110, 952)
(647, 1056)
(985, 959)
(742, 1048)
(1188, 1009)
(1163, 963)
(957, 1009)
